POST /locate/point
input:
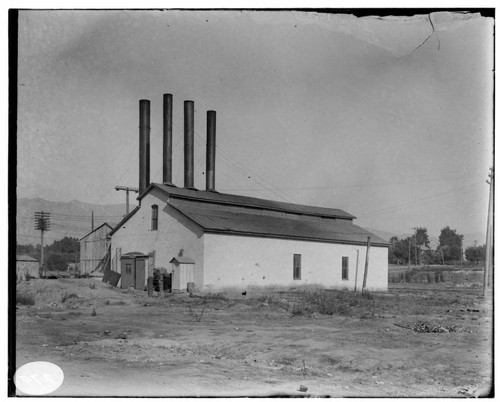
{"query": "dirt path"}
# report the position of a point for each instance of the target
(181, 346)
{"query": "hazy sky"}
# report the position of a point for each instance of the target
(322, 109)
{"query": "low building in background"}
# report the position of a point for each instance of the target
(27, 267)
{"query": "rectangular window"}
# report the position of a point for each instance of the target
(345, 268)
(154, 217)
(296, 266)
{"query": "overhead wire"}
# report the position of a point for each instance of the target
(397, 207)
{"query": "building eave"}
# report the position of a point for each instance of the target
(124, 220)
(96, 229)
(290, 237)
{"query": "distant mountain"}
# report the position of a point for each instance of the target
(72, 219)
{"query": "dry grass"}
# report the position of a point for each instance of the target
(361, 305)
(25, 298)
(66, 296)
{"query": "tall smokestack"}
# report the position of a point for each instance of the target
(144, 152)
(188, 144)
(167, 138)
(210, 159)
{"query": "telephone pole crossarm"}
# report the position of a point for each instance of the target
(127, 190)
(42, 223)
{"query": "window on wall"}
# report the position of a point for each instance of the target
(154, 217)
(345, 268)
(296, 266)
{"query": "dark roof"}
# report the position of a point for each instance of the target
(182, 260)
(125, 219)
(213, 219)
(25, 258)
(239, 200)
(96, 229)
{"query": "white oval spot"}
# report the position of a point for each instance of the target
(38, 378)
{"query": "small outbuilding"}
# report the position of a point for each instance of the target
(27, 267)
(182, 272)
(94, 249)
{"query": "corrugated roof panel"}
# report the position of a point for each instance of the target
(231, 199)
(226, 221)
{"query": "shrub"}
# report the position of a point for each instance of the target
(338, 302)
(25, 298)
(65, 296)
(215, 296)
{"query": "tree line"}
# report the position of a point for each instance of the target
(57, 256)
(416, 249)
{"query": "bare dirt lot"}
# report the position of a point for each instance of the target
(403, 343)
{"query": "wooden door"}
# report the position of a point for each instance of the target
(128, 273)
(140, 273)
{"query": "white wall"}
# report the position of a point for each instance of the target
(238, 261)
(174, 232)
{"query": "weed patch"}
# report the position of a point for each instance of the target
(286, 361)
(343, 303)
(25, 298)
(215, 296)
(197, 316)
(66, 296)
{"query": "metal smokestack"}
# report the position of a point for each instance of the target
(144, 152)
(167, 138)
(188, 144)
(210, 158)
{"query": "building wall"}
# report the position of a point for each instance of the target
(93, 248)
(27, 268)
(238, 261)
(175, 232)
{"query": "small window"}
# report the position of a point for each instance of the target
(154, 217)
(296, 266)
(345, 268)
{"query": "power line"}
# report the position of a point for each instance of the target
(417, 202)
(380, 184)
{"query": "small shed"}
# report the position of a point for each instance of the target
(94, 249)
(182, 272)
(27, 267)
(74, 268)
(133, 270)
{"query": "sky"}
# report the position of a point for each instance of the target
(388, 118)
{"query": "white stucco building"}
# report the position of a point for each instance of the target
(229, 241)
(219, 241)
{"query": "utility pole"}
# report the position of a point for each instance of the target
(356, 277)
(415, 237)
(489, 235)
(409, 252)
(42, 223)
(92, 221)
(127, 190)
(365, 276)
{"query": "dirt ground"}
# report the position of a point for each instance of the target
(406, 344)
